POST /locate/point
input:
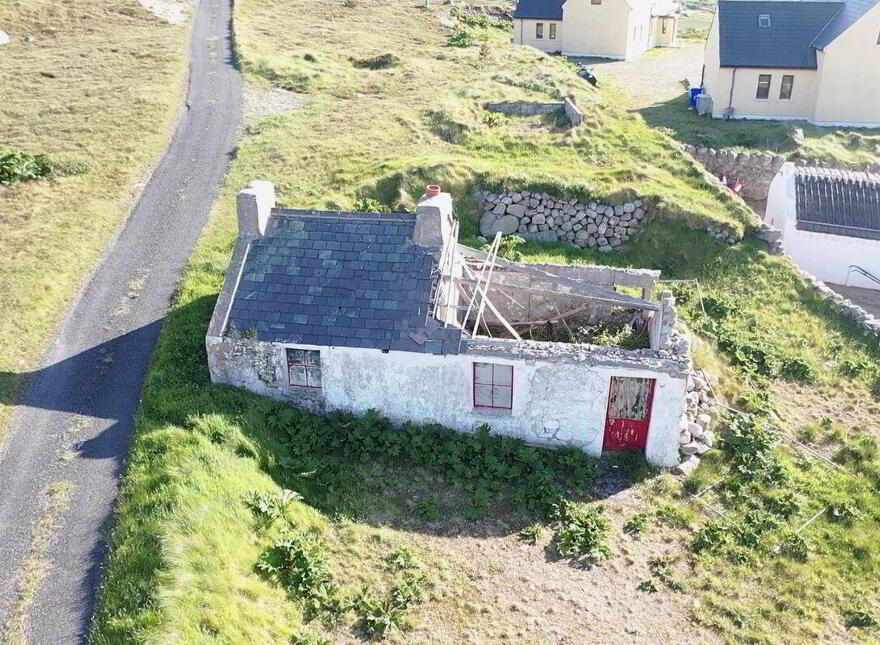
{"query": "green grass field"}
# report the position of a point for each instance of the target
(95, 90)
(187, 549)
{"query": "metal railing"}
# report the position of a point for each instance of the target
(863, 272)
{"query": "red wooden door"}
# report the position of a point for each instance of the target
(629, 413)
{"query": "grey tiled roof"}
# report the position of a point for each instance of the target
(838, 202)
(843, 20)
(787, 43)
(340, 279)
(541, 9)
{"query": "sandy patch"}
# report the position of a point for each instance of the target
(175, 13)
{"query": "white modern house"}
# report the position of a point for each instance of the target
(387, 311)
(830, 222)
(620, 29)
(815, 60)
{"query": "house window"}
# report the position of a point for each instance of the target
(663, 26)
(764, 21)
(763, 86)
(493, 386)
(553, 31)
(539, 30)
(304, 368)
(786, 87)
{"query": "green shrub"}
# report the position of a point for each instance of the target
(531, 534)
(582, 532)
(382, 61)
(402, 559)
(673, 517)
(268, 507)
(321, 449)
(19, 166)
(428, 509)
(636, 524)
(370, 205)
(460, 38)
(795, 546)
(299, 562)
(380, 615)
(713, 535)
(797, 368)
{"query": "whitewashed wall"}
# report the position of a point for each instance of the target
(554, 403)
(827, 257)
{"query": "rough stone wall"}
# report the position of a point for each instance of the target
(752, 171)
(540, 216)
(696, 438)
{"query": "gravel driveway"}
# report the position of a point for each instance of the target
(654, 77)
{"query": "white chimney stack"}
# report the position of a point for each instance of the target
(433, 218)
(254, 206)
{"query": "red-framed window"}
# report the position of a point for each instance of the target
(493, 386)
(304, 368)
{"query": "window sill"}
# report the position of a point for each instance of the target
(493, 413)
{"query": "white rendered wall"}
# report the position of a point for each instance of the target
(554, 403)
(524, 34)
(827, 257)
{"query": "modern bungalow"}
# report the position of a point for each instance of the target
(813, 60)
(361, 311)
(830, 222)
(620, 29)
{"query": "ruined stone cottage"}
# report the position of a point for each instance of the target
(387, 311)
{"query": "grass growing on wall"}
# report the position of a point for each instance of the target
(183, 566)
(90, 98)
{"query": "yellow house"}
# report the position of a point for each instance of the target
(620, 29)
(782, 59)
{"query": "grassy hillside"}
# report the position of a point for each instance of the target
(93, 88)
(435, 537)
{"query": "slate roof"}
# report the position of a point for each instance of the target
(540, 9)
(838, 202)
(787, 43)
(340, 279)
(843, 20)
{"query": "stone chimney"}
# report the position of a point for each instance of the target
(254, 207)
(433, 218)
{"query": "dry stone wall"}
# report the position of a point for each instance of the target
(696, 438)
(752, 171)
(543, 217)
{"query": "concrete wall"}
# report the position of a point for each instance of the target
(597, 30)
(524, 34)
(849, 87)
(557, 399)
(825, 256)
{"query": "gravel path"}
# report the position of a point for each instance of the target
(73, 430)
